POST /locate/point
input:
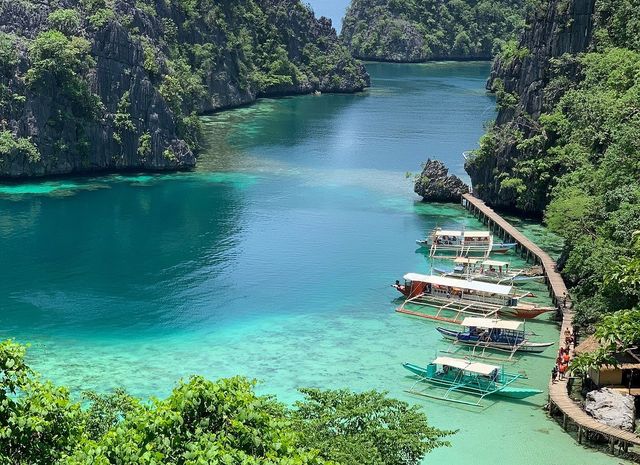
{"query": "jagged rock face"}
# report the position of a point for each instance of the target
(131, 56)
(611, 408)
(563, 28)
(436, 185)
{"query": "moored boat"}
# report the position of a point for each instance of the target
(462, 242)
(463, 376)
(451, 294)
(489, 333)
(491, 271)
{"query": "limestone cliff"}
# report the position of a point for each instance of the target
(117, 84)
(521, 81)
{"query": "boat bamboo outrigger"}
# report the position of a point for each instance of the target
(462, 243)
(464, 297)
(491, 271)
(462, 376)
(488, 333)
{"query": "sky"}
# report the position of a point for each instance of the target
(333, 9)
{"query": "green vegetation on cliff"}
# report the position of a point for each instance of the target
(413, 31)
(580, 161)
(67, 65)
(202, 422)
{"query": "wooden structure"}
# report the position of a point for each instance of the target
(504, 229)
(624, 377)
(559, 400)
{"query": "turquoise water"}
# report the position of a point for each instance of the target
(273, 260)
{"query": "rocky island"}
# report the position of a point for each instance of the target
(118, 84)
(415, 31)
(435, 184)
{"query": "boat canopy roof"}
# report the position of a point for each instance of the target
(466, 365)
(466, 261)
(477, 234)
(491, 323)
(488, 288)
(459, 233)
(447, 232)
(495, 263)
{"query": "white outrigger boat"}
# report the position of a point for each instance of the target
(489, 333)
(464, 298)
(492, 271)
(463, 243)
(465, 377)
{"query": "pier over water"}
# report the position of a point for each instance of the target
(559, 400)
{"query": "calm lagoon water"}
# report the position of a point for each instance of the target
(273, 260)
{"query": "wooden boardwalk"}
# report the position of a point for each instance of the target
(557, 288)
(559, 400)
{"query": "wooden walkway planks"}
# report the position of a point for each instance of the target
(556, 283)
(563, 402)
(558, 392)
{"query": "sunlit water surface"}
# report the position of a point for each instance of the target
(273, 260)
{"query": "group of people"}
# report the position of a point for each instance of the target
(561, 367)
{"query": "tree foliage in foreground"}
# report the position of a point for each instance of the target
(202, 422)
(365, 428)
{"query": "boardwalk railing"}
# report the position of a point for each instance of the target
(559, 400)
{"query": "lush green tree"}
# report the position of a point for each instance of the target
(615, 333)
(56, 56)
(365, 428)
(11, 147)
(39, 424)
(202, 422)
(66, 20)
(60, 62)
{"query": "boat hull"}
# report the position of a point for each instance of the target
(462, 338)
(503, 247)
(488, 278)
(447, 379)
(524, 311)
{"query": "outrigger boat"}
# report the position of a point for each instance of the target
(463, 376)
(491, 271)
(462, 242)
(488, 333)
(465, 297)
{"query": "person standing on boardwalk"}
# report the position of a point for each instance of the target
(563, 369)
(554, 373)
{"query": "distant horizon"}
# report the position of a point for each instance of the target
(333, 9)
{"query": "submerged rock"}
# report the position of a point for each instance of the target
(436, 185)
(611, 408)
